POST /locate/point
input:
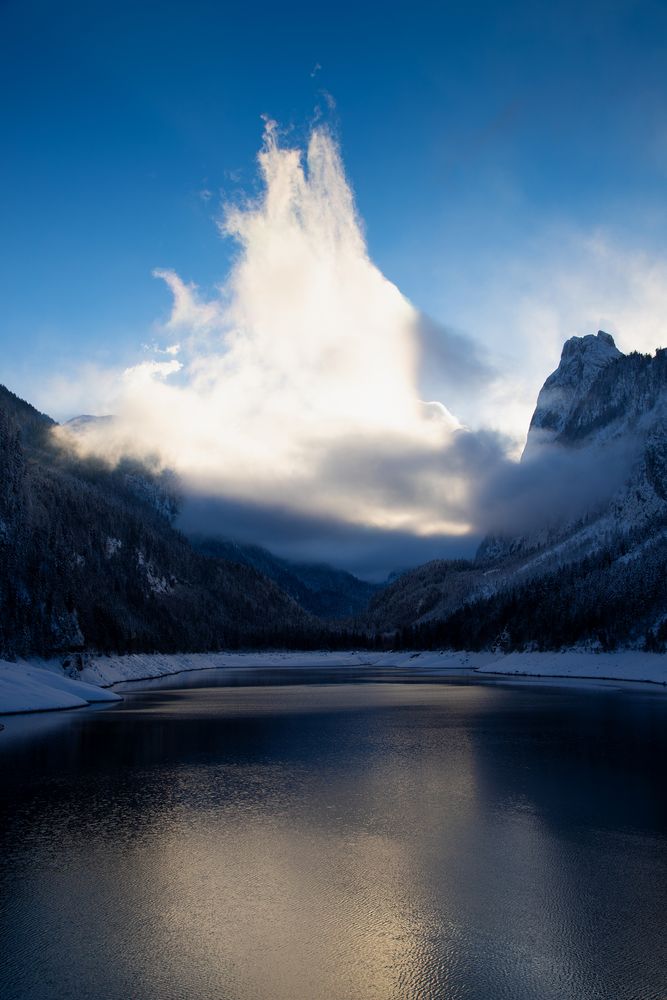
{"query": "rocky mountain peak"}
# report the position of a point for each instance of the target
(591, 347)
(581, 361)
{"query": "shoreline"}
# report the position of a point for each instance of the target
(570, 677)
(37, 686)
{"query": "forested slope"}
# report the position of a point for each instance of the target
(89, 559)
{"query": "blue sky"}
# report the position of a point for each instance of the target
(486, 145)
(509, 163)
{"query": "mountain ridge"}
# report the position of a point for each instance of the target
(322, 590)
(90, 557)
(596, 566)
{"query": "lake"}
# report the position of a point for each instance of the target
(297, 839)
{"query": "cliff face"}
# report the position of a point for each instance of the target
(582, 361)
(609, 436)
(595, 576)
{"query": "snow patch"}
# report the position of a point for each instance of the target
(38, 686)
(158, 584)
(112, 546)
(625, 665)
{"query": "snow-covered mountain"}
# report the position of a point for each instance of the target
(590, 571)
(606, 438)
(89, 559)
(326, 592)
(582, 360)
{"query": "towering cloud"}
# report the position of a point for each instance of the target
(297, 384)
(297, 403)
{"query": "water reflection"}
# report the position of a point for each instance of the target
(339, 841)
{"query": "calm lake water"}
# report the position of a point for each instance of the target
(321, 841)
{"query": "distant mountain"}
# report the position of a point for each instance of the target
(89, 559)
(82, 423)
(322, 590)
(597, 576)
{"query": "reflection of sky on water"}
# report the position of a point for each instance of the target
(352, 841)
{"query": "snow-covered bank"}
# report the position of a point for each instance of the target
(40, 685)
(625, 665)
(43, 685)
(108, 670)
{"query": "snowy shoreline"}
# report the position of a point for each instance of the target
(43, 685)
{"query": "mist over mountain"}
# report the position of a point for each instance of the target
(89, 559)
(304, 394)
(575, 552)
(323, 590)
(580, 550)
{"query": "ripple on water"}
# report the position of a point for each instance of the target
(339, 842)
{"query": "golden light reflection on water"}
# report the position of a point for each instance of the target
(276, 893)
(332, 843)
(285, 910)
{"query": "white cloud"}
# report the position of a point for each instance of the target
(93, 389)
(567, 283)
(589, 281)
(306, 348)
(297, 384)
(189, 313)
(144, 373)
